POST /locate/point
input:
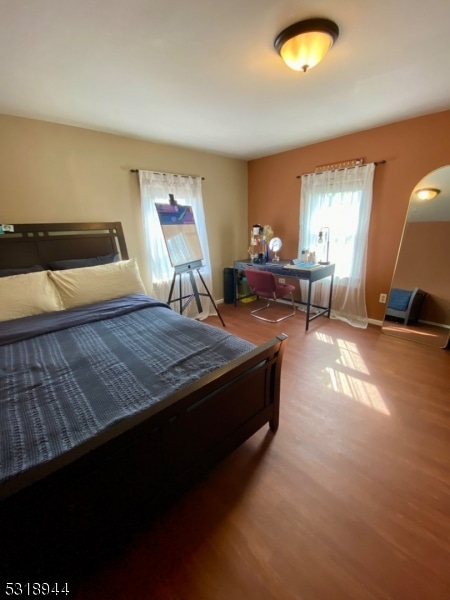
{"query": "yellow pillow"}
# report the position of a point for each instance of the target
(26, 295)
(87, 285)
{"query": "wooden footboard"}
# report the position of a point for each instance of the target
(142, 459)
(217, 415)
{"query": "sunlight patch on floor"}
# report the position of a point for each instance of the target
(323, 337)
(407, 330)
(350, 357)
(352, 386)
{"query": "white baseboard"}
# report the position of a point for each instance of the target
(376, 322)
(380, 323)
(436, 324)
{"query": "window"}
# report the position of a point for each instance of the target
(340, 200)
(155, 188)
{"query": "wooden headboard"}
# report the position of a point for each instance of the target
(41, 243)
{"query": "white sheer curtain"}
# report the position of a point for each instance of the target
(187, 190)
(340, 200)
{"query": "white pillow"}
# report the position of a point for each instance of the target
(95, 284)
(26, 295)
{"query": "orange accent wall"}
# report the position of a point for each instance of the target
(411, 148)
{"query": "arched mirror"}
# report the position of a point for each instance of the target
(418, 306)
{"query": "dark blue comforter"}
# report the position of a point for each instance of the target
(66, 377)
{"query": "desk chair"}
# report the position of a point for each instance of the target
(264, 285)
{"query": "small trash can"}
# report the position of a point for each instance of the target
(244, 292)
(228, 285)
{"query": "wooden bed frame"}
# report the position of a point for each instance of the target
(41, 243)
(149, 455)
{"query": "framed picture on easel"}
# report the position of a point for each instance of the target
(180, 234)
(185, 253)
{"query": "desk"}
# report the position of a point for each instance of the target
(309, 275)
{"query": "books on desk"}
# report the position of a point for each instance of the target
(302, 266)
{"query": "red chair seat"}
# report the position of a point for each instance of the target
(263, 284)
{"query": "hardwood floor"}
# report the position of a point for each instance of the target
(350, 500)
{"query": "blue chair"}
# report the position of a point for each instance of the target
(405, 305)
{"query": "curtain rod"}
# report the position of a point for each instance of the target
(137, 171)
(380, 162)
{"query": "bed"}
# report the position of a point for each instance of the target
(111, 405)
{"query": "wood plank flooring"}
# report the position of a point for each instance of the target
(424, 333)
(350, 500)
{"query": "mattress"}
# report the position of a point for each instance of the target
(68, 376)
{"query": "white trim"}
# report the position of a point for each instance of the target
(436, 324)
(376, 322)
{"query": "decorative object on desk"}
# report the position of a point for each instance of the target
(323, 240)
(259, 236)
(257, 230)
(267, 236)
(297, 263)
(255, 233)
(307, 256)
(267, 233)
(258, 258)
(275, 245)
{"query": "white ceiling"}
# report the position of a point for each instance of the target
(204, 73)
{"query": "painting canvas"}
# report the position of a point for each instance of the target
(180, 233)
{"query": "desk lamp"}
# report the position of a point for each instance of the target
(324, 238)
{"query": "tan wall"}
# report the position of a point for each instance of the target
(412, 148)
(52, 173)
(424, 262)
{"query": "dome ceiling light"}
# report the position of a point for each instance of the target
(304, 44)
(427, 193)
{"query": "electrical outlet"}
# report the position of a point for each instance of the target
(281, 280)
(383, 298)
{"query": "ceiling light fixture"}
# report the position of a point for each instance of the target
(427, 193)
(304, 44)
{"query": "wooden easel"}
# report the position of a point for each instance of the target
(190, 268)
